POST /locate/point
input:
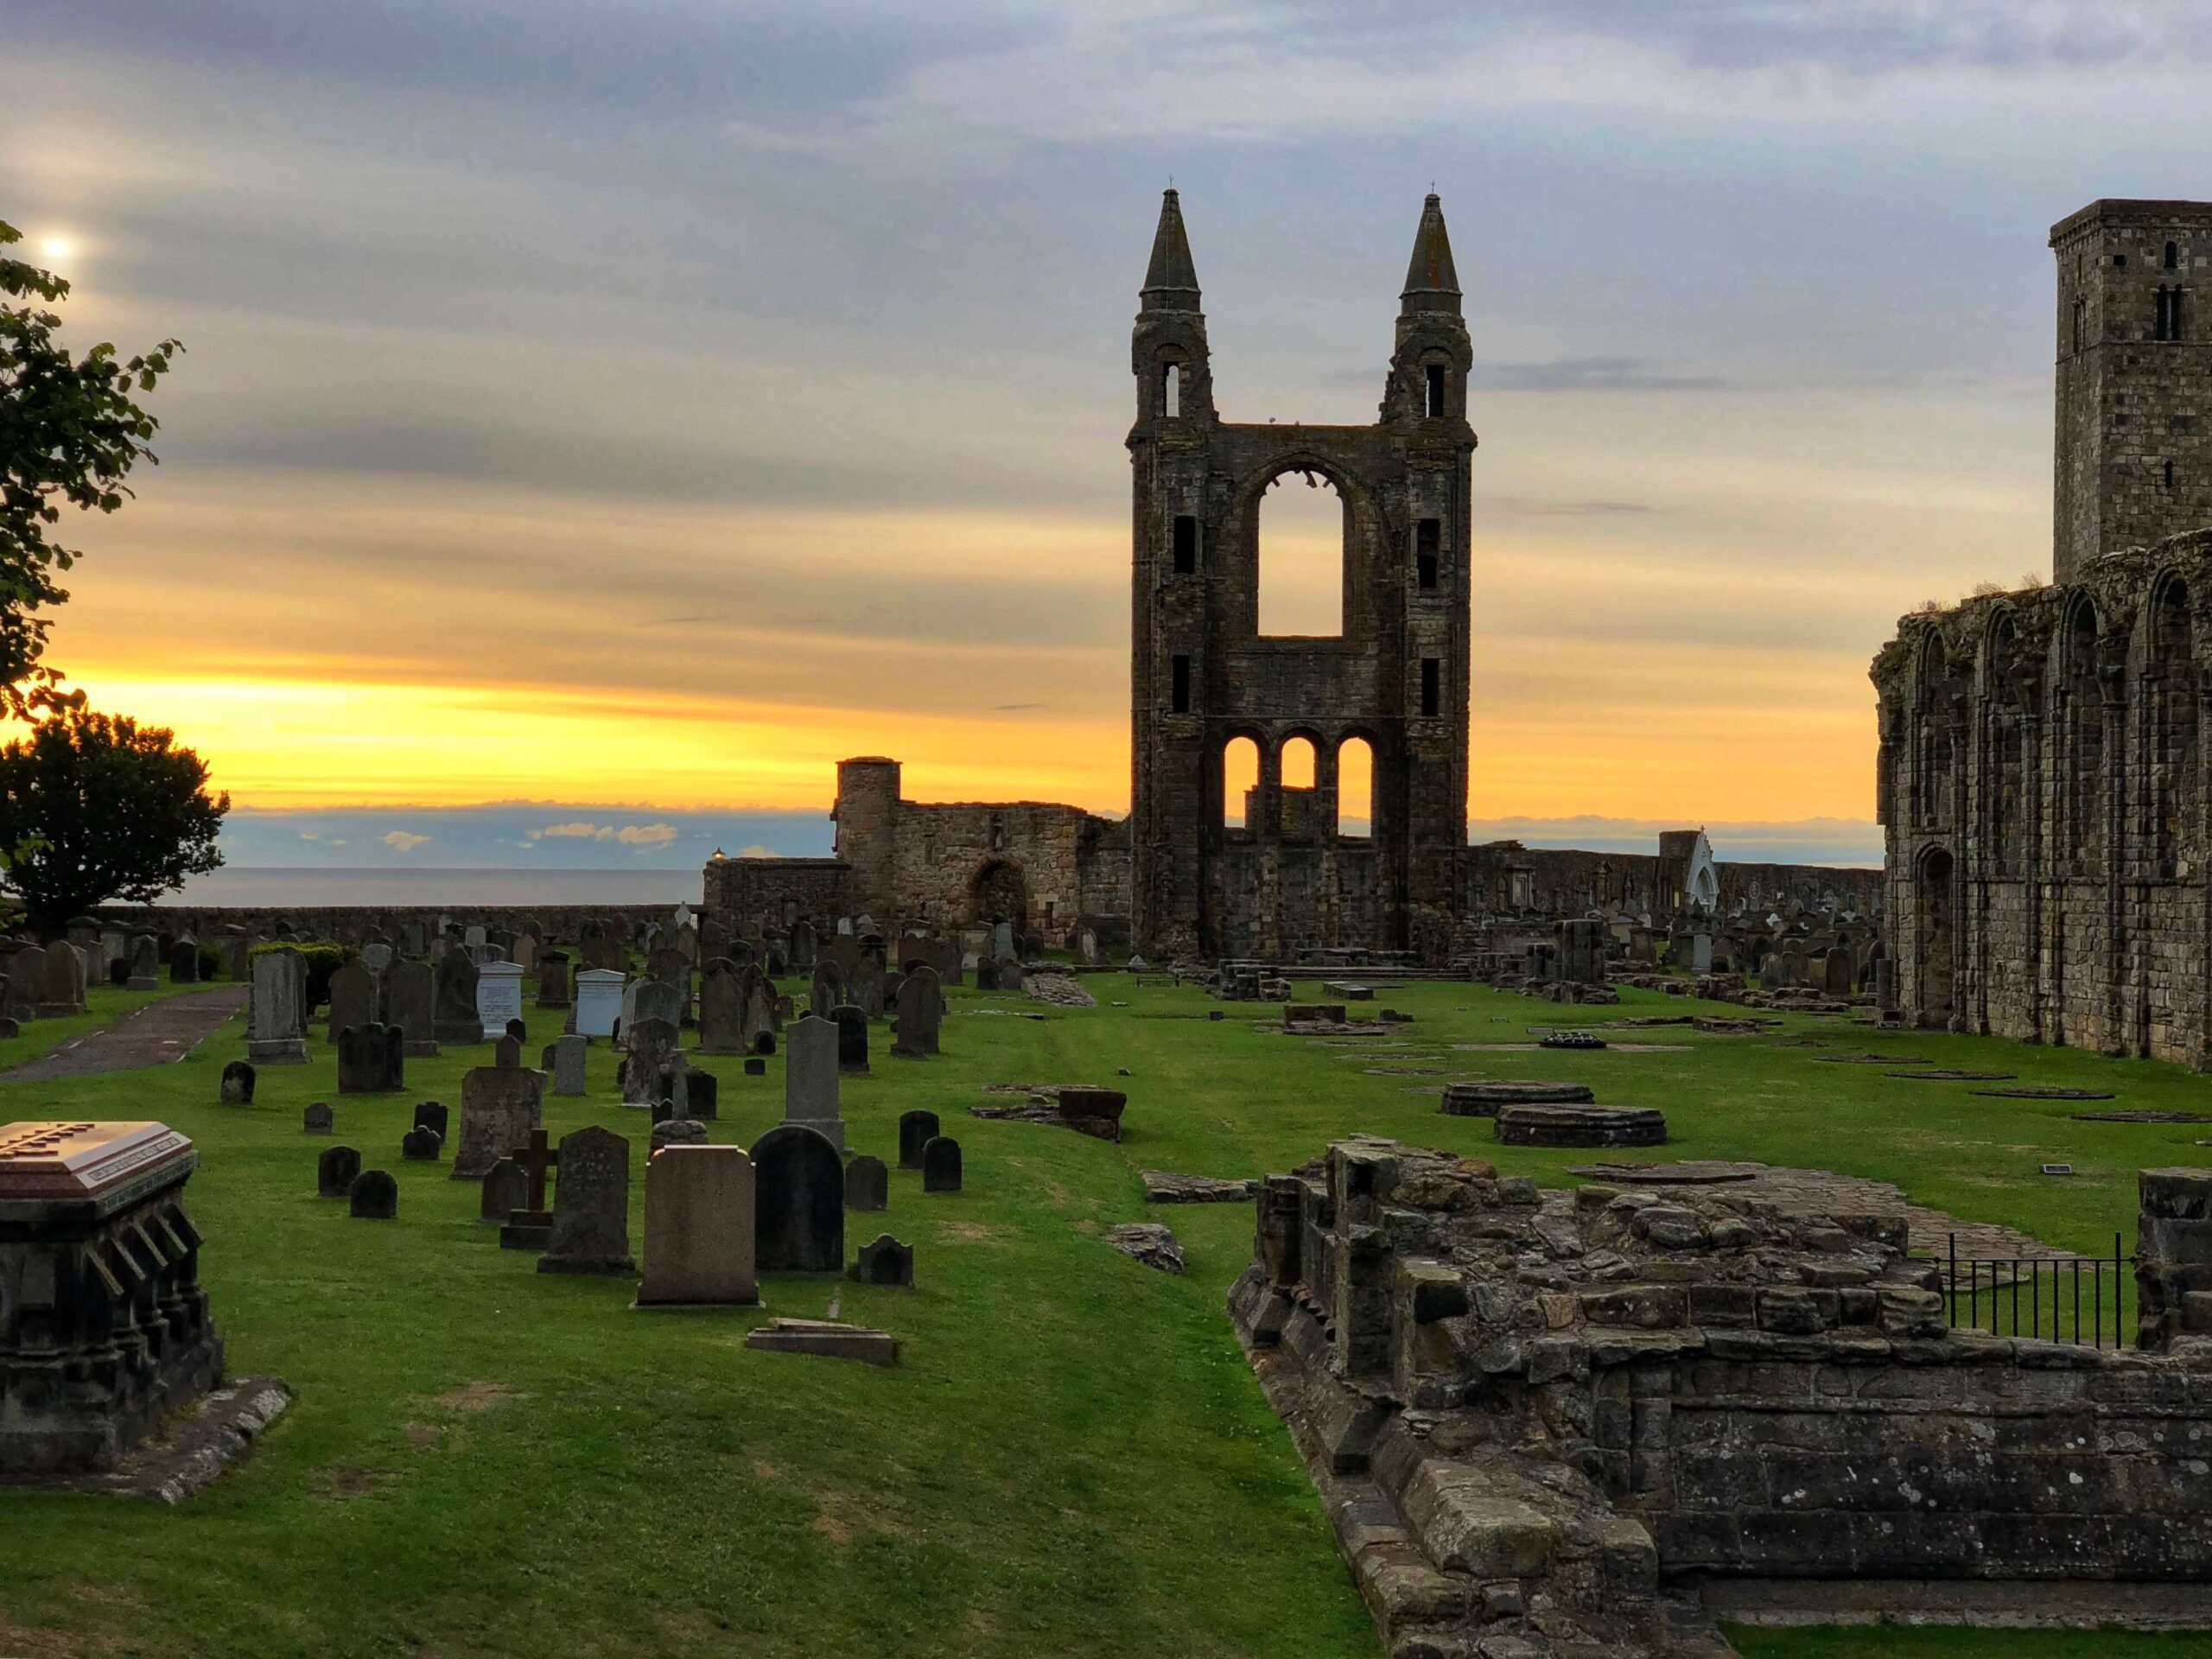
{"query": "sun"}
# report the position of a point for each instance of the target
(56, 247)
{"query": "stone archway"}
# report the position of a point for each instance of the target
(999, 892)
(1936, 936)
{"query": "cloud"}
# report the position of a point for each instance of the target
(1522, 503)
(401, 840)
(628, 834)
(1589, 374)
(755, 850)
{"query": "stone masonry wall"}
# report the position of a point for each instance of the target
(1564, 882)
(1541, 1420)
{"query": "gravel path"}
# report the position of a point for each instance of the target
(159, 1032)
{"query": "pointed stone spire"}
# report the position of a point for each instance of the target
(1170, 281)
(1432, 283)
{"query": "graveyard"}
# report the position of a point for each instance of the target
(1071, 1453)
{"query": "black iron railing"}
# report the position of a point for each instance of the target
(2076, 1298)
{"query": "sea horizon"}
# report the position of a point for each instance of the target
(310, 887)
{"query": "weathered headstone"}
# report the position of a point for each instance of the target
(431, 1114)
(410, 1002)
(916, 1131)
(553, 980)
(318, 1119)
(885, 1261)
(505, 1189)
(921, 1006)
(810, 1078)
(941, 1165)
(799, 947)
(353, 998)
(702, 1096)
(334, 1170)
(699, 1229)
(377, 955)
(275, 1018)
(649, 1047)
(62, 984)
(145, 963)
(591, 1206)
(370, 1060)
(564, 1059)
(721, 1010)
(454, 1015)
(827, 989)
(799, 1201)
(239, 1078)
(867, 1184)
(374, 1195)
(421, 1145)
(852, 1038)
(184, 962)
(500, 1106)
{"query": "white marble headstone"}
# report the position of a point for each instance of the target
(599, 1000)
(499, 996)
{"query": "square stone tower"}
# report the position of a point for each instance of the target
(2134, 415)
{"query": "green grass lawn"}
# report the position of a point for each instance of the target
(1072, 1458)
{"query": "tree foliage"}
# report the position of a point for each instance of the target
(70, 432)
(98, 809)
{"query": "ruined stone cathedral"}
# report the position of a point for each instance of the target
(1204, 676)
(2042, 779)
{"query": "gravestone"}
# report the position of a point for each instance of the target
(498, 997)
(864, 985)
(987, 974)
(531, 1227)
(1837, 976)
(374, 1195)
(648, 1048)
(508, 1050)
(721, 1010)
(184, 962)
(276, 1016)
(810, 1079)
(564, 1058)
(1009, 973)
(506, 1188)
(921, 1007)
(699, 1229)
(376, 956)
(702, 1096)
(553, 980)
(1001, 940)
(500, 1106)
(599, 1001)
(334, 1171)
(410, 1002)
(677, 1131)
(421, 1145)
(319, 1119)
(237, 1084)
(799, 1201)
(941, 1165)
(61, 981)
(429, 1115)
(524, 952)
(657, 998)
(1086, 947)
(756, 1020)
(867, 1184)
(756, 1068)
(1700, 953)
(827, 989)
(591, 1206)
(799, 947)
(454, 1015)
(852, 1038)
(370, 1060)
(916, 1131)
(885, 1261)
(353, 998)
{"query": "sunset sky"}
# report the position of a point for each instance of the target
(650, 404)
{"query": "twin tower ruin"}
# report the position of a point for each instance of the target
(2042, 779)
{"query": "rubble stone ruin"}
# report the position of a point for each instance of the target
(2041, 779)
(1588, 1422)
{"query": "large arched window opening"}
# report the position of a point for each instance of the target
(1934, 926)
(1933, 776)
(1299, 542)
(1240, 781)
(2004, 737)
(2085, 743)
(1355, 789)
(1297, 781)
(2173, 727)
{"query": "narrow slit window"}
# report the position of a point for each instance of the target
(1428, 538)
(2158, 330)
(2173, 256)
(1180, 690)
(1186, 544)
(1432, 686)
(1435, 390)
(2173, 315)
(1171, 391)
(2080, 315)
(2169, 474)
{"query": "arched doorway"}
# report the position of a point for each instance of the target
(1934, 930)
(999, 892)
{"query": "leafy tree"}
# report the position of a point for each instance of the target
(98, 809)
(69, 432)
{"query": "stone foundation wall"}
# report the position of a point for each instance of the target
(1540, 1420)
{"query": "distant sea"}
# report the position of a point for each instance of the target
(308, 888)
